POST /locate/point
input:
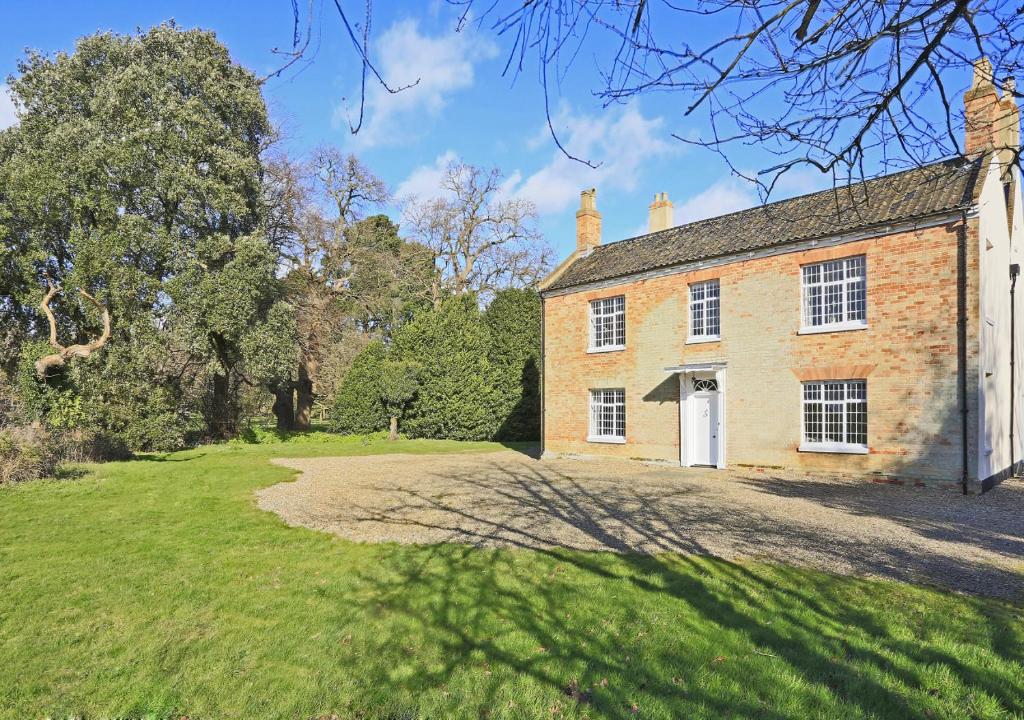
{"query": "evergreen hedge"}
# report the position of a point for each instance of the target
(357, 407)
(457, 395)
(513, 320)
(478, 373)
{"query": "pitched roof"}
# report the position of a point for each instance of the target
(908, 195)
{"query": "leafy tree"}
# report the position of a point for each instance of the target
(456, 396)
(16, 275)
(357, 408)
(345, 270)
(397, 385)
(134, 173)
(341, 190)
(269, 349)
(391, 276)
(513, 320)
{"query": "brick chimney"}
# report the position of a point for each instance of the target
(1007, 128)
(660, 215)
(588, 222)
(991, 122)
(981, 102)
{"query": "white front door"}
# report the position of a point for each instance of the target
(703, 428)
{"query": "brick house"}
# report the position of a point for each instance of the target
(865, 329)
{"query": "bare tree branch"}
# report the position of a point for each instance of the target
(835, 85)
(44, 364)
(481, 242)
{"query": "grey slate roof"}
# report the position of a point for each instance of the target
(904, 196)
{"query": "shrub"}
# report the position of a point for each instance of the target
(357, 408)
(452, 373)
(90, 445)
(456, 395)
(35, 397)
(26, 454)
(397, 386)
(513, 321)
(10, 405)
(269, 436)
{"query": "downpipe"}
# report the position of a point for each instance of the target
(1014, 272)
(961, 326)
(543, 370)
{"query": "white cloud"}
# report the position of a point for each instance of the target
(425, 180)
(7, 116)
(801, 180)
(443, 65)
(729, 194)
(723, 196)
(509, 184)
(622, 140)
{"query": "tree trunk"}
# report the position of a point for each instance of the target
(393, 435)
(304, 392)
(222, 420)
(435, 293)
(284, 408)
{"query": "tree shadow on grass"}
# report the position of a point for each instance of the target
(670, 632)
(677, 636)
(528, 448)
(162, 458)
(70, 472)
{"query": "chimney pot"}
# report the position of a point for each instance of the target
(660, 213)
(982, 74)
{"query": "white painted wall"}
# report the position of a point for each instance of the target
(994, 327)
(1017, 256)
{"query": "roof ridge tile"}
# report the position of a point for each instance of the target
(907, 194)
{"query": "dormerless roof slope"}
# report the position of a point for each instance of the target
(900, 197)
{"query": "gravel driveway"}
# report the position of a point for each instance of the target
(974, 543)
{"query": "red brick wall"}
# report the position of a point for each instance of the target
(908, 354)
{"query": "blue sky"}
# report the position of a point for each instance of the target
(462, 107)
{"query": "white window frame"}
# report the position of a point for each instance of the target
(600, 400)
(610, 307)
(833, 446)
(852, 289)
(693, 336)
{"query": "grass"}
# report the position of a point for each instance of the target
(156, 589)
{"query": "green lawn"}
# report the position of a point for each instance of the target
(156, 588)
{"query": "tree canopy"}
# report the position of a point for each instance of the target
(481, 241)
(166, 270)
(134, 174)
(347, 273)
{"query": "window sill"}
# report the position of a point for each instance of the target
(606, 348)
(700, 340)
(836, 327)
(606, 439)
(837, 448)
